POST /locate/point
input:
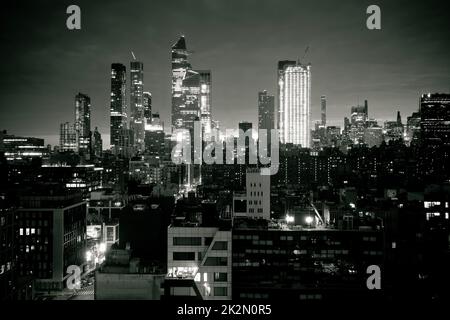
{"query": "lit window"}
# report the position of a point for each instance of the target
(21, 231)
(205, 277)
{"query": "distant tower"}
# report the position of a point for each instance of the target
(294, 102)
(118, 110)
(323, 109)
(83, 123)
(266, 113)
(137, 104)
(97, 143)
(399, 118)
(185, 88)
(205, 100)
(67, 137)
(148, 107)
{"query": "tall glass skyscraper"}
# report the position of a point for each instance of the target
(137, 122)
(148, 107)
(185, 88)
(294, 102)
(205, 100)
(118, 110)
(83, 123)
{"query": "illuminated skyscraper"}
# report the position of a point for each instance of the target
(118, 103)
(185, 88)
(67, 137)
(435, 119)
(83, 123)
(205, 100)
(137, 121)
(147, 107)
(294, 102)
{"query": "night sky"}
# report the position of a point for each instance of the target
(43, 64)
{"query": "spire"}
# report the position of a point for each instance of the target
(399, 118)
(180, 44)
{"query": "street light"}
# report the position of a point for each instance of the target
(289, 219)
(309, 220)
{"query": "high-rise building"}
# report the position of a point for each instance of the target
(435, 117)
(147, 107)
(185, 88)
(97, 143)
(51, 226)
(294, 102)
(118, 103)
(266, 113)
(67, 137)
(83, 123)
(137, 108)
(323, 110)
(205, 100)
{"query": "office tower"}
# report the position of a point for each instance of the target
(185, 88)
(399, 118)
(51, 224)
(435, 117)
(118, 103)
(147, 107)
(294, 102)
(266, 113)
(97, 143)
(83, 123)
(67, 137)
(137, 108)
(205, 100)
(358, 114)
(323, 110)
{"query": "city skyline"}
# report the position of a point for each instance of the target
(364, 64)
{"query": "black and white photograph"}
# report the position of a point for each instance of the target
(225, 157)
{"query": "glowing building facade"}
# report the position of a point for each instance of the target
(185, 88)
(83, 123)
(205, 100)
(147, 107)
(294, 102)
(137, 120)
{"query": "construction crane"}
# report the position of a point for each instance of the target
(304, 54)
